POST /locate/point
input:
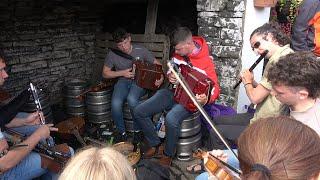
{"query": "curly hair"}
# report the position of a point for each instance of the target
(299, 69)
(274, 30)
(120, 34)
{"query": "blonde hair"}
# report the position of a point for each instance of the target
(98, 164)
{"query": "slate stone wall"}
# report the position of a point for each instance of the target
(51, 42)
(221, 24)
(47, 42)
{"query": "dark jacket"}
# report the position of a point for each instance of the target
(10, 110)
(302, 38)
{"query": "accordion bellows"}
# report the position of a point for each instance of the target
(199, 84)
(146, 74)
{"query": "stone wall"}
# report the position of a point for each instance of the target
(50, 42)
(221, 23)
(47, 42)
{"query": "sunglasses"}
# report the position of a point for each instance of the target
(256, 45)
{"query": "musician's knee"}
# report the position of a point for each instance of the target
(132, 101)
(171, 121)
(139, 112)
(117, 103)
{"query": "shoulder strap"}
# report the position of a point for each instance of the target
(122, 54)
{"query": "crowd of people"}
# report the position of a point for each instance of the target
(281, 140)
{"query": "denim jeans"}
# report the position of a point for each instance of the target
(231, 161)
(125, 90)
(162, 100)
(30, 166)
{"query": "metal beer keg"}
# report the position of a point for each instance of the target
(75, 106)
(98, 105)
(190, 137)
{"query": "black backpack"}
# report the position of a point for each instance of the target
(147, 169)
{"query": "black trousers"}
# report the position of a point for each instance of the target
(230, 127)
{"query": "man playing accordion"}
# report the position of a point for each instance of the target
(196, 50)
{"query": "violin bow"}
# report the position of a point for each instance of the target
(186, 87)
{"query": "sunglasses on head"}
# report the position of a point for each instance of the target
(256, 45)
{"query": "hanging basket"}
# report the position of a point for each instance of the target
(264, 3)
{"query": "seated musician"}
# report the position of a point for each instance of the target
(266, 37)
(295, 83)
(21, 162)
(285, 149)
(125, 89)
(197, 50)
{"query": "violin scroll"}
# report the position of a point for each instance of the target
(100, 86)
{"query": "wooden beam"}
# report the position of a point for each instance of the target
(151, 19)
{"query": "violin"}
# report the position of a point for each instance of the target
(217, 167)
(72, 126)
(98, 87)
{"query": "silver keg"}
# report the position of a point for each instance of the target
(190, 137)
(99, 106)
(75, 106)
(30, 106)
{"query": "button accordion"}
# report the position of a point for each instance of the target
(146, 74)
(198, 82)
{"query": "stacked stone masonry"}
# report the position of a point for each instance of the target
(50, 42)
(47, 42)
(221, 23)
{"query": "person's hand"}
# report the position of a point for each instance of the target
(247, 76)
(44, 130)
(159, 81)
(4, 146)
(128, 73)
(172, 78)
(220, 154)
(202, 98)
(32, 119)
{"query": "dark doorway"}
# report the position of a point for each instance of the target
(132, 16)
(175, 13)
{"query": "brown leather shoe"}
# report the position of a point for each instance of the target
(165, 160)
(153, 152)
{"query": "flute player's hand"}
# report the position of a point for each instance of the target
(246, 76)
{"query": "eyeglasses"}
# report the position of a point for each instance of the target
(256, 45)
